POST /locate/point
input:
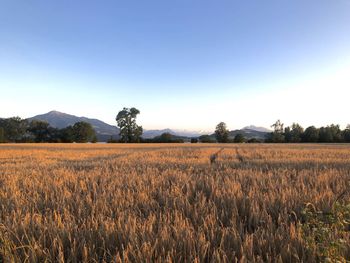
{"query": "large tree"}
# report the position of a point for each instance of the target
(129, 130)
(40, 130)
(221, 132)
(277, 135)
(311, 134)
(346, 134)
(293, 133)
(14, 129)
(330, 134)
(83, 132)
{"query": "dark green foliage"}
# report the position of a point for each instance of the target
(311, 134)
(206, 139)
(194, 140)
(221, 132)
(112, 140)
(253, 140)
(239, 138)
(39, 130)
(277, 136)
(346, 134)
(83, 132)
(14, 129)
(2, 135)
(330, 133)
(129, 130)
(67, 134)
(167, 138)
(323, 231)
(294, 133)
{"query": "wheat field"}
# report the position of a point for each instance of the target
(169, 203)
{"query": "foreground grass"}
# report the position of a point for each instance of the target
(166, 203)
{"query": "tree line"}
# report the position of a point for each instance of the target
(296, 134)
(15, 129)
(20, 130)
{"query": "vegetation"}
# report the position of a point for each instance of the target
(19, 130)
(194, 140)
(221, 132)
(239, 138)
(296, 134)
(129, 130)
(162, 203)
(324, 232)
(206, 139)
(83, 132)
(167, 138)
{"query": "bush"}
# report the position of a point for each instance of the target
(324, 232)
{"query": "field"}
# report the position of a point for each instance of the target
(168, 203)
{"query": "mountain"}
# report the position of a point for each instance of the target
(149, 134)
(61, 120)
(249, 133)
(104, 131)
(255, 128)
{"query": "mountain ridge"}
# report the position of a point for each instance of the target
(105, 131)
(61, 120)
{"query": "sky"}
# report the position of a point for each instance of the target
(185, 64)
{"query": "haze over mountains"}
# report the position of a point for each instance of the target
(105, 131)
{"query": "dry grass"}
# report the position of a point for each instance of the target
(165, 203)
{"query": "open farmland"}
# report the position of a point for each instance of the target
(167, 203)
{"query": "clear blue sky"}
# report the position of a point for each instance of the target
(185, 64)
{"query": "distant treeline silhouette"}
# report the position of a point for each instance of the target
(296, 134)
(19, 130)
(291, 134)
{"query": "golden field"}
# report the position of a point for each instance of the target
(167, 203)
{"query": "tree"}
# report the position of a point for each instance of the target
(277, 135)
(336, 132)
(194, 140)
(239, 138)
(14, 129)
(167, 138)
(129, 130)
(253, 140)
(311, 134)
(2, 135)
(330, 134)
(346, 134)
(206, 139)
(83, 132)
(221, 132)
(40, 130)
(294, 133)
(66, 134)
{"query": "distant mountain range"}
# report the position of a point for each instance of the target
(249, 134)
(105, 131)
(255, 128)
(61, 120)
(148, 134)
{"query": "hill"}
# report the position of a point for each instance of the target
(247, 133)
(61, 120)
